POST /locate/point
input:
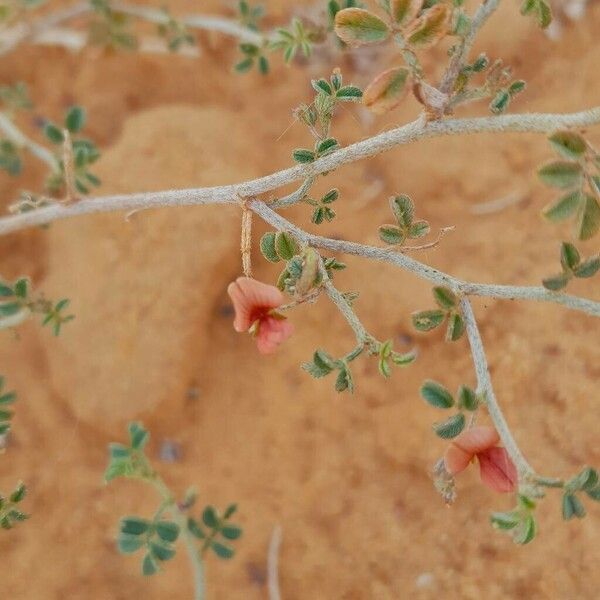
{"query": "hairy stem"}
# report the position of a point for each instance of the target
(15, 135)
(485, 386)
(228, 194)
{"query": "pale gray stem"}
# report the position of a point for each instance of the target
(507, 292)
(273, 564)
(14, 134)
(418, 129)
(485, 386)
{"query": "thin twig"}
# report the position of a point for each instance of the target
(407, 263)
(273, 564)
(69, 168)
(15, 135)
(417, 130)
(485, 387)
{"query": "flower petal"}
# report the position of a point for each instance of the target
(497, 470)
(464, 448)
(251, 298)
(272, 332)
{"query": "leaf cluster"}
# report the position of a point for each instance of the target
(448, 311)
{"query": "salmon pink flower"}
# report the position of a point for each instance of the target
(496, 468)
(254, 304)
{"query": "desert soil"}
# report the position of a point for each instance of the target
(346, 476)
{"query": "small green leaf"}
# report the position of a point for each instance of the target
(467, 398)
(286, 245)
(195, 529)
(128, 544)
(516, 87)
(168, 531)
(322, 86)
(210, 518)
(391, 234)
(404, 210)
(451, 427)
(429, 28)
(231, 532)
(357, 26)
(53, 133)
(267, 247)
(456, 327)
(436, 394)
(426, 320)
(589, 218)
(500, 102)
(75, 119)
(588, 268)
(161, 551)
(137, 434)
(564, 208)
(327, 146)
(505, 520)
(526, 531)
(444, 297)
(6, 291)
(134, 525)
(149, 566)
(221, 550)
(569, 256)
(302, 155)
(349, 93)
(568, 144)
(561, 174)
(22, 288)
(8, 309)
(331, 196)
(586, 480)
(572, 507)
(556, 282)
(419, 229)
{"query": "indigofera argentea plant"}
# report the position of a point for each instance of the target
(311, 264)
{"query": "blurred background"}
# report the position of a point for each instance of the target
(346, 476)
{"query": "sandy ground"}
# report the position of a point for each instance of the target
(345, 476)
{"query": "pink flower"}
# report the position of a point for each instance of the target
(497, 470)
(254, 303)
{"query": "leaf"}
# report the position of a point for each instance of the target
(568, 144)
(195, 529)
(267, 247)
(8, 309)
(419, 229)
(6, 291)
(404, 359)
(561, 174)
(128, 544)
(430, 28)
(403, 208)
(167, 531)
(209, 517)
(349, 93)
(586, 480)
(138, 435)
(505, 520)
(456, 328)
(231, 532)
(556, 282)
(221, 550)
(387, 90)
(404, 11)
(149, 566)
(327, 146)
(588, 268)
(594, 493)
(286, 245)
(526, 531)
(344, 380)
(544, 14)
(467, 398)
(444, 297)
(75, 119)
(589, 218)
(161, 552)
(391, 234)
(500, 102)
(302, 155)
(451, 427)
(572, 507)
(53, 133)
(22, 288)
(569, 256)
(322, 86)
(436, 394)
(426, 320)
(357, 26)
(564, 208)
(134, 525)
